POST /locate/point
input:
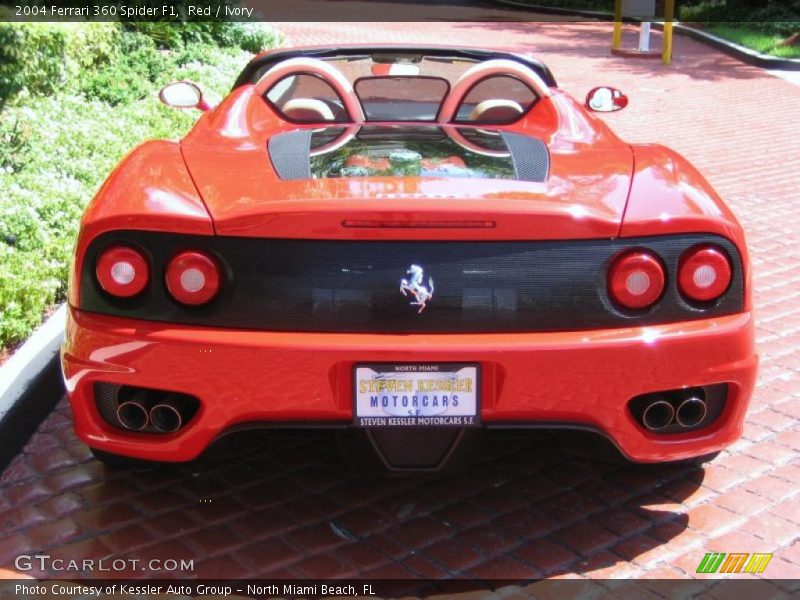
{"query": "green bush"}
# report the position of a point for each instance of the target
(129, 77)
(32, 56)
(252, 37)
(174, 35)
(58, 146)
(28, 287)
(14, 145)
(41, 58)
(113, 62)
(775, 18)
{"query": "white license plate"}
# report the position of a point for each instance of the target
(435, 395)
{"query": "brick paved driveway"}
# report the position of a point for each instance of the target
(291, 508)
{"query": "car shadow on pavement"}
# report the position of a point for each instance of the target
(285, 504)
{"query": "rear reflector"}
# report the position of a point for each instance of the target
(122, 271)
(704, 273)
(193, 278)
(636, 280)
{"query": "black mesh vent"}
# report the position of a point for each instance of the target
(530, 156)
(332, 285)
(414, 447)
(289, 154)
(106, 396)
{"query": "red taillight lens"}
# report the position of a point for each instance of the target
(636, 280)
(704, 273)
(193, 278)
(122, 271)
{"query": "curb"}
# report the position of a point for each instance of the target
(746, 55)
(751, 57)
(30, 385)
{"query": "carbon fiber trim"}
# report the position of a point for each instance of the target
(289, 153)
(429, 449)
(322, 285)
(530, 155)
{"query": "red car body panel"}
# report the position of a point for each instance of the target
(219, 181)
(568, 206)
(269, 207)
(687, 203)
(150, 189)
(578, 378)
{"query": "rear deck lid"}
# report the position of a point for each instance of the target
(309, 183)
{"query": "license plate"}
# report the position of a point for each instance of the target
(430, 395)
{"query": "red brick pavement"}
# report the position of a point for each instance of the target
(290, 507)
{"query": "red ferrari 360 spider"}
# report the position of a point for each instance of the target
(414, 244)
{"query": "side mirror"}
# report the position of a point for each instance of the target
(183, 94)
(606, 99)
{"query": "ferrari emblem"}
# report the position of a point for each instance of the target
(417, 288)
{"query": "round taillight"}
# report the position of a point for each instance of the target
(704, 273)
(636, 280)
(122, 271)
(193, 278)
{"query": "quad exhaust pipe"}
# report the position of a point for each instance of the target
(690, 412)
(133, 415)
(164, 417)
(660, 413)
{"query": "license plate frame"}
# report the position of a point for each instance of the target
(465, 413)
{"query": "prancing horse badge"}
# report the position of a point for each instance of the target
(416, 287)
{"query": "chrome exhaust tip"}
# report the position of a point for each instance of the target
(132, 415)
(658, 415)
(691, 412)
(165, 418)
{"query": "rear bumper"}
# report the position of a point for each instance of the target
(577, 379)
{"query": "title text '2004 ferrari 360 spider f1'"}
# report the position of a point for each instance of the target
(414, 244)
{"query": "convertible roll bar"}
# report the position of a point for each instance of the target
(312, 66)
(476, 73)
(266, 60)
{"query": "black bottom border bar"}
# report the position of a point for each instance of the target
(312, 589)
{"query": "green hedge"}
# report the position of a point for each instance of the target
(42, 58)
(775, 17)
(45, 58)
(62, 133)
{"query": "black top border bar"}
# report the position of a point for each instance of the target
(298, 10)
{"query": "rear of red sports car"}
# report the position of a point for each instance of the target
(395, 253)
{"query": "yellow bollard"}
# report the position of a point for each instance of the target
(617, 40)
(669, 15)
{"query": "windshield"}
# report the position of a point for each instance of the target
(398, 98)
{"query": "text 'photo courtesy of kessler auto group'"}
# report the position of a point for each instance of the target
(477, 298)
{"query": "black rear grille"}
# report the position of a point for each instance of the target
(414, 447)
(342, 286)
